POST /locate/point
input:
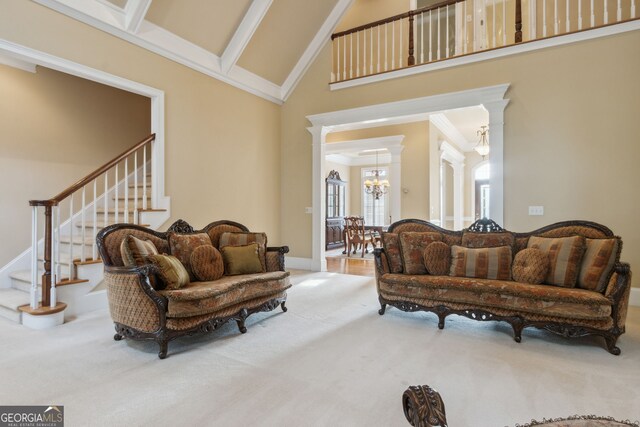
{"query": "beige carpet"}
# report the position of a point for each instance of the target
(331, 360)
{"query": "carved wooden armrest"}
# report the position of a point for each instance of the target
(382, 262)
(619, 282)
(275, 257)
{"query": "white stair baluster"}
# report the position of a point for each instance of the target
(57, 258)
(71, 227)
(117, 204)
(555, 17)
(579, 14)
(493, 4)
(135, 187)
(371, 51)
(393, 45)
(504, 23)
(126, 190)
(83, 228)
(105, 197)
(144, 177)
(94, 248)
(358, 54)
(55, 247)
(421, 38)
(34, 258)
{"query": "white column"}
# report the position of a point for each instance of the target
(318, 261)
(458, 195)
(395, 179)
(496, 158)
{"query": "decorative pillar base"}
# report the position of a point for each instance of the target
(43, 317)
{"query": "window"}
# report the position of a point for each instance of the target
(375, 212)
(482, 191)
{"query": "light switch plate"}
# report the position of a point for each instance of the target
(536, 210)
(308, 210)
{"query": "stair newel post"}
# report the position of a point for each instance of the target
(46, 276)
(518, 36)
(34, 257)
(412, 60)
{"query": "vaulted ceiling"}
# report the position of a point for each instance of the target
(261, 46)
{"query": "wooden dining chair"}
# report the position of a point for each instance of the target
(357, 236)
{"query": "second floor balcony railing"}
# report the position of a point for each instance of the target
(455, 28)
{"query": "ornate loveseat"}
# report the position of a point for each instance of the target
(141, 310)
(570, 311)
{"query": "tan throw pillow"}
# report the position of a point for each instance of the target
(412, 246)
(182, 245)
(241, 259)
(530, 265)
(565, 255)
(481, 263)
(206, 263)
(487, 240)
(135, 251)
(391, 245)
(597, 264)
(245, 238)
(172, 272)
(437, 258)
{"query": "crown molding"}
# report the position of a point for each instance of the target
(244, 32)
(447, 128)
(17, 63)
(314, 48)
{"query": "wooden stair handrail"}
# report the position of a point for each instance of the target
(93, 175)
(395, 18)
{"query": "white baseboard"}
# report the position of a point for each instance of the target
(298, 263)
(634, 298)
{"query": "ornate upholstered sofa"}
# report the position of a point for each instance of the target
(141, 311)
(568, 311)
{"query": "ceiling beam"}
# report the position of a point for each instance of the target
(135, 11)
(243, 34)
(312, 51)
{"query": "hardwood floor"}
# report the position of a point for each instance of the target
(352, 265)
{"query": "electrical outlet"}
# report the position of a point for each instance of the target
(536, 210)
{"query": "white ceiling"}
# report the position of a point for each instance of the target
(261, 46)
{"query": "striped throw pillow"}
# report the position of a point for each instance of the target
(135, 251)
(481, 263)
(565, 255)
(597, 263)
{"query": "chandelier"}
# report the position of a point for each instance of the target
(376, 187)
(483, 145)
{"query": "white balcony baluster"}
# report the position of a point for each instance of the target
(493, 4)
(421, 38)
(393, 45)
(544, 18)
(344, 58)
(580, 15)
(401, 56)
(567, 24)
(606, 12)
(378, 48)
(619, 11)
(430, 46)
(358, 54)
(371, 51)
(555, 17)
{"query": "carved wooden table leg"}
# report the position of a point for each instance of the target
(423, 407)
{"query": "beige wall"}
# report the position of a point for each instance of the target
(414, 160)
(570, 132)
(222, 144)
(56, 128)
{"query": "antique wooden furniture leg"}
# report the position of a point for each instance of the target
(423, 407)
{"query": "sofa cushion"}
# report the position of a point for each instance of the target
(241, 259)
(172, 273)
(487, 240)
(530, 265)
(207, 297)
(598, 262)
(500, 294)
(437, 258)
(206, 263)
(135, 251)
(412, 246)
(484, 263)
(182, 245)
(391, 244)
(565, 255)
(243, 239)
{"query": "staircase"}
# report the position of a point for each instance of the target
(73, 257)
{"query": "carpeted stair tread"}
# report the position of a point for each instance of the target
(13, 298)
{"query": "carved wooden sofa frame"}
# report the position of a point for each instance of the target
(617, 291)
(162, 333)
